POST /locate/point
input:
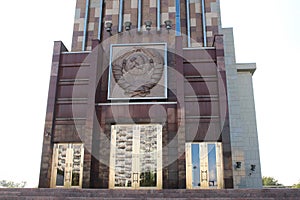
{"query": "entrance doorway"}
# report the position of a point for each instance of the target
(204, 167)
(136, 156)
(67, 166)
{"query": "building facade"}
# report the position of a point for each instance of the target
(150, 97)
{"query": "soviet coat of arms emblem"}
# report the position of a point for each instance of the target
(138, 71)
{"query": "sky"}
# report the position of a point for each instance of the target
(266, 32)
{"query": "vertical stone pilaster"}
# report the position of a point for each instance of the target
(94, 60)
(180, 113)
(224, 115)
(46, 162)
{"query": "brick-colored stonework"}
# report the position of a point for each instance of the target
(149, 12)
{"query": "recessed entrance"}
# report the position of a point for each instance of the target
(67, 165)
(136, 156)
(204, 165)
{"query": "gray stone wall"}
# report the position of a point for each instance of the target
(248, 121)
(242, 118)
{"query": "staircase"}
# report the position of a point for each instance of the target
(166, 194)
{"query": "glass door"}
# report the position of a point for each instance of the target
(67, 165)
(136, 156)
(204, 165)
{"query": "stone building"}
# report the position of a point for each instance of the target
(150, 97)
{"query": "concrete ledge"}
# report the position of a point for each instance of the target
(251, 67)
(93, 194)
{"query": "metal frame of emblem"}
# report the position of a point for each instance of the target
(165, 74)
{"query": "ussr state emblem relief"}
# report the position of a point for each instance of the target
(137, 71)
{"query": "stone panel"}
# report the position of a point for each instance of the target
(87, 194)
(46, 162)
(242, 119)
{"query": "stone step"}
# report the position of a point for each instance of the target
(175, 194)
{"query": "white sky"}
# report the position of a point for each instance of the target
(266, 32)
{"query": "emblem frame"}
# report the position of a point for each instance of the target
(116, 92)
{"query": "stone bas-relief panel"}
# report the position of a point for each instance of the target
(138, 71)
(67, 167)
(123, 165)
(136, 156)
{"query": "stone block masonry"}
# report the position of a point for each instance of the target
(93, 194)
